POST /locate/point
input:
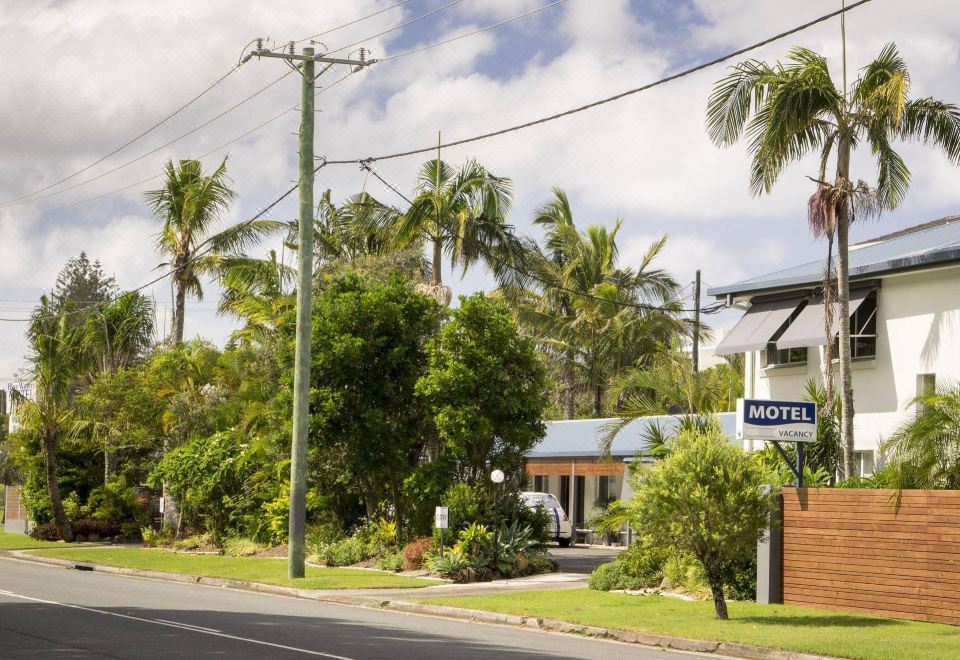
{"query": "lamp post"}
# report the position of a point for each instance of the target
(496, 477)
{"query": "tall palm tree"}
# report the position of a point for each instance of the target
(57, 360)
(585, 308)
(254, 291)
(188, 206)
(793, 109)
(116, 335)
(461, 213)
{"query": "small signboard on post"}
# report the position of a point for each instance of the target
(441, 520)
(776, 422)
(783, 421)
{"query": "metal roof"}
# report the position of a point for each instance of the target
(932, 244)
(581, 437)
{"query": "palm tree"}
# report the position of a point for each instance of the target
(57, 360)
(791, 110)
(460, 212)
(188, 206)
(925, 452)
(586, 310)
(254, 290)
(116, 335)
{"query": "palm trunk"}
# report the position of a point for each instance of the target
(569, 384)
(437, 261)
(843, 296)
(109, 464)
(178, 308)
(828, 323)
(171, 512)
(49, 446)
(597, 400)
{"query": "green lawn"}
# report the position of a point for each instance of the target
(251, 569)
(23, 542)
(782, 626)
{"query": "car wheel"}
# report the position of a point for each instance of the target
(564, 543)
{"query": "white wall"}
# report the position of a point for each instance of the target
(918, 332)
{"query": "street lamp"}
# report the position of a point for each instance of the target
(496, 477)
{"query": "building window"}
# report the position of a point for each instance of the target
(774, 357)
(603, 489)
(863, 330)
(863, 463)
(541, 483)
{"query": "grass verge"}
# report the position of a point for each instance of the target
(777, 626)
(250, 569)
(10, 541)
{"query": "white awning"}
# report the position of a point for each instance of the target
(757, 327)
(807, 329)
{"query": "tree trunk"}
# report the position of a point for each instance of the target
(843, 297)
(715, 579)
(109, 464)
(49, 445)
(437, 261)
(171, 512)
(828, 324)
(569, 385)
(178, 308)
(597, 400)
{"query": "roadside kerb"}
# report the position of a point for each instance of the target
(372, 599)
(728, 649)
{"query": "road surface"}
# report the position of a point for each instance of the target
(50, 612)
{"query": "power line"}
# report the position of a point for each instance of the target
(126, 144)
(395, 28)
(470, 34)
(194, 258)
(162, 146)
(616, 97)
(353, 22)
(541, 281)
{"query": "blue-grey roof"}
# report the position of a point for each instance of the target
(581, 437)
(935, 243)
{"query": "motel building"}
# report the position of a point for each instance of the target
(905, 338)
(904, 327)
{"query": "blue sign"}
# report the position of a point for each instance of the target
(784, 421)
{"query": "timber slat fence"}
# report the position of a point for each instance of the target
(874, 552)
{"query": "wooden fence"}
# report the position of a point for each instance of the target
(872, 552)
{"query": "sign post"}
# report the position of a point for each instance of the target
(441, 520)
(776, 422)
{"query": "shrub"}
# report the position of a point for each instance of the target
(118, 502)
(475, 540)
(609, 576)
(414, 552)
(157, 539)
(682, 570)
(541, 562)
(95, 529)
(451, 564)
(641, 565)
(346, 552)
(195, 542)
(45, 532)
(392, 562)
(236, 546)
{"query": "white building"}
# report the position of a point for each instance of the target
(904, 325)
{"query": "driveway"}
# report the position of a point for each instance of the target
(583, 559)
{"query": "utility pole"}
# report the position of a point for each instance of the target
(296, 561)
(696, 323)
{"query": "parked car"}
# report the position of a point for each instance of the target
(560, 528)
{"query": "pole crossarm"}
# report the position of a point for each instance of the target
(315, 58)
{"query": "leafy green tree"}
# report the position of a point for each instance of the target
(486, 390)
(57, 359)
(188, 207)
(925, 451)
(459, 212)
(369, 350)
(81, 284)
(795, 109)
(586, 309)
(705, 498)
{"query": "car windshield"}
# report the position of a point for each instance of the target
(546, 500)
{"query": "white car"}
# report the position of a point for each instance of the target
(560, 526)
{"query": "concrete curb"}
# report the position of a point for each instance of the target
(728, 649)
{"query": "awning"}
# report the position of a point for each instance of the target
(758, 325)
(807, 329)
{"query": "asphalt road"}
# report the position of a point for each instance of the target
(49, 612)
(583, 559)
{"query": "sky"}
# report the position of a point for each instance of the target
(82, 77)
